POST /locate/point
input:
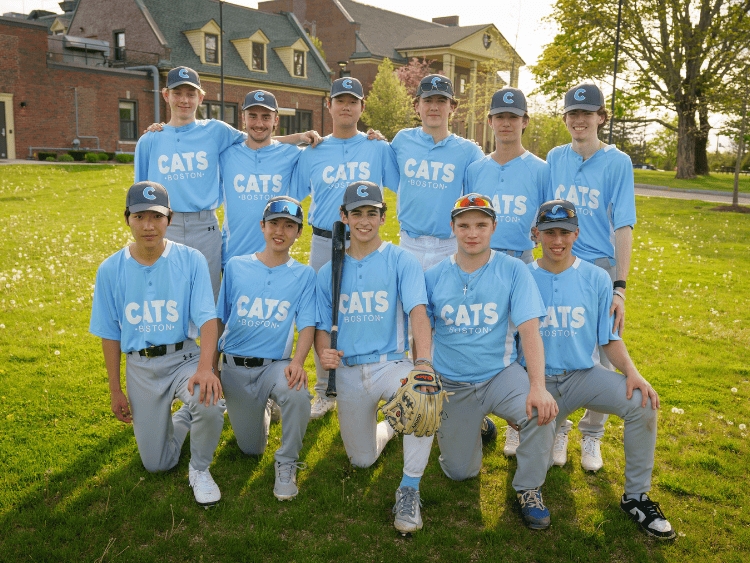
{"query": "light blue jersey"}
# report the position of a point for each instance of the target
(326, 170)
(516, 189)
(577, 320)
(185, 160)
(249, 178)
(377, 295)
(476, 315)
(144, 306)
(431, 180)
(260, 307)
(602, 190)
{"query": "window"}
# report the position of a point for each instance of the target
(128, 121)
(119, 45)
(462, 88)
(259, 58)
(212, 50)
(299, 63)
(299, 122)
(212, 110)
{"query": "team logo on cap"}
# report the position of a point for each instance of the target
(347, 83)
(508, 97)
(148, 193)
(259, 97)
(183, 73)
(362, 191)
(578, 95)
(435, 81)
(556, 208)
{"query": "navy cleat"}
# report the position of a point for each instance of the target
(534, 513)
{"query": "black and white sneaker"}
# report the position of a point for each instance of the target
(650, 517)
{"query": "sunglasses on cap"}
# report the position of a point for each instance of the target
(557, 213)
(473, 201)
(285, 207)
(435, 86)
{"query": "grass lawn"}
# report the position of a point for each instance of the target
(716, 181)
(73, 487)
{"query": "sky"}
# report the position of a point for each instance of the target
(528, 38)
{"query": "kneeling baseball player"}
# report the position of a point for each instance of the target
(262, 297)
(578, 297)
(381, 284)
(148, 300)
(480, 300)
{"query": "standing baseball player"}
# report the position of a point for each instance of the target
(251, 174)
(343, 157)
(578, 297)
(148, 300)
(479, 302)
(263, 296)
(382, 290)
(432, 164)
(598, 180)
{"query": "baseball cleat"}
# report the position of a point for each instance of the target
(320, 406)
(489, 430)
(591, 453)
(649, 516)
(205, 490)
(560, 449)
(408, 515)
(512, 440)
(534, 513)
(285, 484)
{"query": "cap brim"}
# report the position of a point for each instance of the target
(584, 107)
(261, 105)
(488, 210)
(138, 207)
(271, 216)
(562, 224)
(188, 82)
(436, 93)
(362, 203)
(515, 111)
(355, 94)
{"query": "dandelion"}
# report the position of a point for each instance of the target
(700, 424)
(734, 389)
(742, 427)
(39, 328)
(57, 352)
(677, 411)
(2, 326)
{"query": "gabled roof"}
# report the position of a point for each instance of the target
(442, 37)
(239, 22)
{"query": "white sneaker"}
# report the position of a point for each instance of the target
(407, 510)
(206, 491)
(591, 454)
(285, 484)
(274, 410)
(320, 406)
(560, 449)
(512, 440)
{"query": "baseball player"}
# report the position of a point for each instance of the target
(148, 300)
(345, 156)
(578, 297)
(382, 290)
(263, 296)
(251, 174)
(479, 302)
(598, 180)
(432, 164)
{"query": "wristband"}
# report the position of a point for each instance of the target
(620, 283)
(420, 361)
(620, 293)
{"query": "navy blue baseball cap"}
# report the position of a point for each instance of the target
(435, 84)
(285, 207)
(183, 75)
(147, 196)
(509, 100)
(347, 85)
(260, 98)
(557, 214)
(587, 97)
(363, 193)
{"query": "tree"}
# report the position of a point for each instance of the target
(475, 104)
(411, 74)
(664, 145)
(679, 55)
(318, 45)
(389, 106)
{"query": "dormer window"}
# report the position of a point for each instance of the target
(299, 63)
(212, 48)
(259, 56)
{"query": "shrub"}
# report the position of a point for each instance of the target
(92, 157)
(110, 156)
(124, 158)
(65, 158)
(51, 158)
(46, 155)
(78, 156)
(101, 156)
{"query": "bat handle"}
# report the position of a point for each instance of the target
(331, 389)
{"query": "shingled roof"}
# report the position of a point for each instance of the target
(238, 22)
(442, 37)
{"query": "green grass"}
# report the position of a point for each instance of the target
(716, 181)
(73, 487)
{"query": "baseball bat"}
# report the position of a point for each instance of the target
(337, 268)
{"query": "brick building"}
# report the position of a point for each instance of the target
(91, 78)
(357, 37)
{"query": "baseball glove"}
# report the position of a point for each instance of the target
(411, 411)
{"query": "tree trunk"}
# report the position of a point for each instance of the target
(685, 141)
(701, 142)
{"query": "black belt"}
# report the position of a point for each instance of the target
(247, 362)
(326, 234)
(156, 351)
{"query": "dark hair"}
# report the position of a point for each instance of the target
(328, 101)
(601, 111)
(453, 102)
(299, 225)
(526, 115)
(381, 209)
(127, 216)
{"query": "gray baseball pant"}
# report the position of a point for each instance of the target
(200, 230)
